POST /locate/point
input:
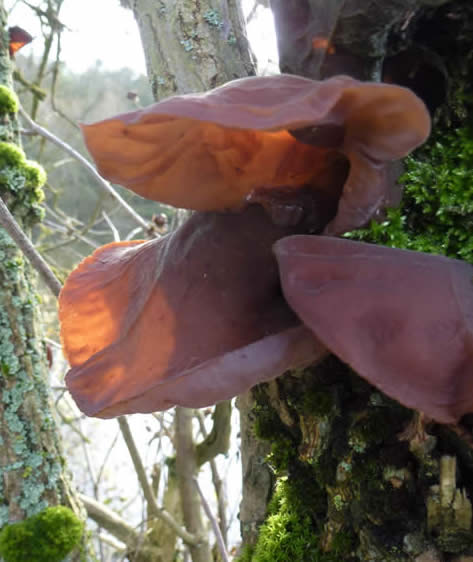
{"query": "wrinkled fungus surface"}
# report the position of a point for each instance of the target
(210, 151)
(401, 319)
(189, 319)
(198, 316)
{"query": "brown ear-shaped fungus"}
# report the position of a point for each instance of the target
(210, 151)
(18, 39)
(401, 319)
(189, 319)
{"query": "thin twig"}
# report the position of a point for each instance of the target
(69, 230)
(113, 228)
(12, 227)
(220, 543)
(216, 480)
(157, 511)
(105, 459)
(109, 520)
(118, 546)
(77, 156)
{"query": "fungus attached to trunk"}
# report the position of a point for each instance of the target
(401, 319)
(211, 151)
(198, 316)
(189, 319)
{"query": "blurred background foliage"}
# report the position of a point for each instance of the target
(74, 224)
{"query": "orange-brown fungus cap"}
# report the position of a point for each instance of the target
(18, 39)
(210, 151)
(189, 319)
(403, 320)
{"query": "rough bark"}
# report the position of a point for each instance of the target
(257, 477)
(32, 468)
(359, 477)
(192, 46)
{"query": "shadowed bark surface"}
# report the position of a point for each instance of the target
(357, 476)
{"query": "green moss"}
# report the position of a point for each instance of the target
(288, 532)
(319, 403)
(246, 554)
(282, 452)
(20, 184)
(343, 543)
(11, 155)
(291, 532)
(369, 430)
(9, 102)
(269, 427)
(436, 214)
(456, 541)
(46, 537)
(35, 174)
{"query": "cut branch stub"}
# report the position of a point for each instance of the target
(189, 319)
(211, 151)
(401, 319)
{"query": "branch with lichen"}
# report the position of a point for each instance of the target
(34, 89)
(12, 227)
(105, 185)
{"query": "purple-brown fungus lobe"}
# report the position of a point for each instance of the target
(210, 151)
(192, 318)
(403, 320)
(198, 316)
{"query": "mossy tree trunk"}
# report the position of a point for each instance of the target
(32, 469)
(357, 476)
(350, 475)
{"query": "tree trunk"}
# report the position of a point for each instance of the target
(359, 477)
(32, 468)
(190, 47)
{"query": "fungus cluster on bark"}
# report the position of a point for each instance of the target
(255, 282)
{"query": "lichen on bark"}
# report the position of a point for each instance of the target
(192, 46)
(32, 471)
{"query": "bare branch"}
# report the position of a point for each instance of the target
(220, 543)
(77, 156)
(157, 511)
(218, 440)
(257, 3)
(113, 228)
(109, 520)
(118, 546)
(13, 228)
(216, 480)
